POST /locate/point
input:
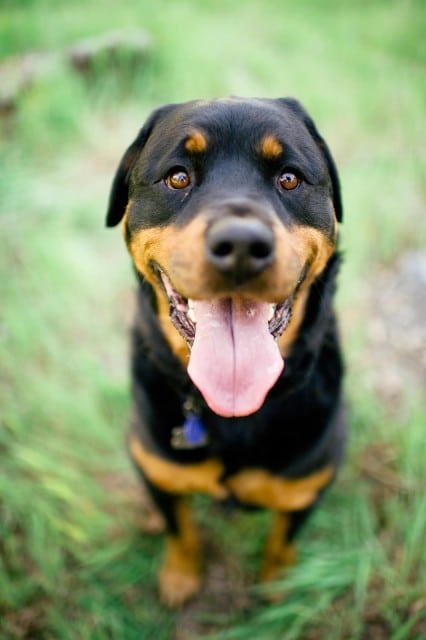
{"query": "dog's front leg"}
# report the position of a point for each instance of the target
(180, 575)
(279, 551)
(170, 485)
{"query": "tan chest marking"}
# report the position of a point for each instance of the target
(260, 488)
(203, 477)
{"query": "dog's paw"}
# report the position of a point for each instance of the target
(180, 576)
(177, 588)
(273, 569)
(275, 563)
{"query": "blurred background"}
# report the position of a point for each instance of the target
(77, 80)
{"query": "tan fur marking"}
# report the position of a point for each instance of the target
(271, 148)
(180, 253)
(278, 553)
(180, 574)
(196, 142)
(315, 247)
(175, 478)
(124, 221)
(263, 489)
(295, 248)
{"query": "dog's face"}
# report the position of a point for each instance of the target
(230, 212)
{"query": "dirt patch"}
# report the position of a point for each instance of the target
(396, 333)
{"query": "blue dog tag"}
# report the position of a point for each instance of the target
(193, 430)
(191, 435)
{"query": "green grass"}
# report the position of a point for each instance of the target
(72, 561)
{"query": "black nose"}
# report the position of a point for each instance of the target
(240, 247)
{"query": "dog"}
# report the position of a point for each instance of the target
(230, 210)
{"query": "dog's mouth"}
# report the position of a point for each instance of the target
(184, 317)
(234, 356)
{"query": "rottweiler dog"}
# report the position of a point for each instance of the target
(230, 211)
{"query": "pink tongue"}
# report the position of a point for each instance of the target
(234, 359)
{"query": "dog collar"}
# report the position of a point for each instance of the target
(192, 434)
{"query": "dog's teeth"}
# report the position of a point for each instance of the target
(191, 311)
(272, 308)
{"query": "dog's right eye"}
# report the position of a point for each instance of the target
(177, 178)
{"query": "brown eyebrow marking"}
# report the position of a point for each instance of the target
(196, 142)
(271, 148)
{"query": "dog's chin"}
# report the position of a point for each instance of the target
(234, 356)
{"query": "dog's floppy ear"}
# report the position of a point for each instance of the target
(297, 108)
(119, 194)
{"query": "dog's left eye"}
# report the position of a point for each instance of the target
(178, 178)
(288, 180)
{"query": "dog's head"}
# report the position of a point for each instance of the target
(230, 211)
